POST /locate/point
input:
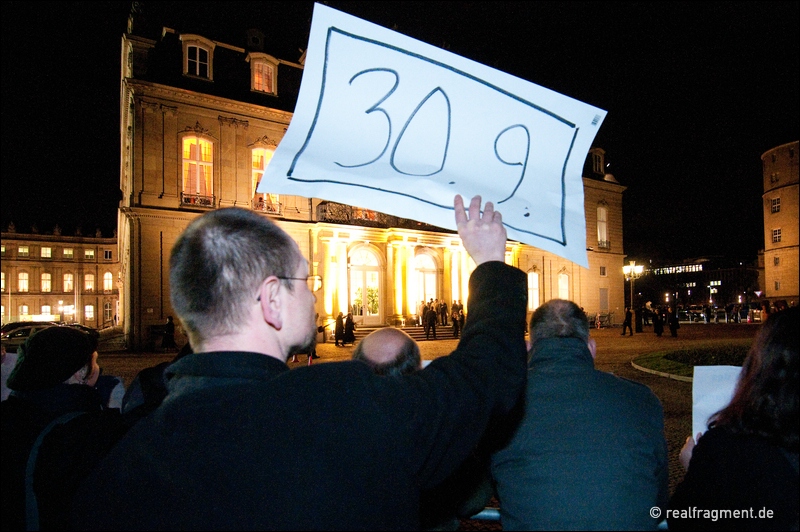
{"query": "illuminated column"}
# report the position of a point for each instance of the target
(391, 283)
(341, 281)
(446, 276)
(328, 277)
(455, 276)
(464, 274)
(411, 280)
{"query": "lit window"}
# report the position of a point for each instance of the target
(88, 254)
(198, 56)
(563, 286)
(88, 282)
(68, 282)
(776, 236)
(22, 251)
(47, 253)
(3, 249)
(47, 282)
(22, 282)
(264, 202)
(263, 73)
(198, 166)
(107, 254)
(602, 226)
(46, 310)
(107, 312)
(533, 291)
(3, 282)
(67, 253)
(776, 205)
(88, 311)
(108, 282)
(23, 310)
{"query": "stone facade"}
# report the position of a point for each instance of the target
(781, 239)
(50, 277)
(379, 267)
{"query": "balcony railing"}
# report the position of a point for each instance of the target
(268, 207)
(196, 200)
(605, 245)
(329, 211)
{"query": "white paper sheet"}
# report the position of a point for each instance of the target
(712, 390)
(389, 123)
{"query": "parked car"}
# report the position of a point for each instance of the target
(10, 326)
(14, 338)
(696, 312)
(84, 328)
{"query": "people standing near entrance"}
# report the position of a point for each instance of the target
(338, 331)
(443, 312)
(349, 330)
(431, 317)
(627, 324)
(456, 323)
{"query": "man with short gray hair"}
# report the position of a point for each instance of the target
(242, 442)
(590, 451)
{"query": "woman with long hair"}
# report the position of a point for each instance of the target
(743, 473)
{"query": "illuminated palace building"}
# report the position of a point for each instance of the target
(55, 277)
(200, 120)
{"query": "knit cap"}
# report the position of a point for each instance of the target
(50, 357)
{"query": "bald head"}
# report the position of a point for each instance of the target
(389, 351)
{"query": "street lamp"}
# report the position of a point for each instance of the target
(632, 271)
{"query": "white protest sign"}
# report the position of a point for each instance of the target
(712, 390)
(392, 124)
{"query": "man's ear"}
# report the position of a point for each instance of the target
(270, 297)
(592, 347)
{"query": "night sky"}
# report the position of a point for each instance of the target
(695, 93)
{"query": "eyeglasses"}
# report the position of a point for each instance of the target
(314, 281)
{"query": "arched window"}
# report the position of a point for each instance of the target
(108, 282)
(198, 56)
(563, 285)
(69, 281)
(263, 73)
(47, 282)
(263, 201)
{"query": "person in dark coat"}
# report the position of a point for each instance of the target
(658, 323)
(53, 380)
(627, 323)
(349, 330)
(748, 458)
(430, 318)
(221, 452)
(589, 452)
(168, 342)
(673, 323)
(338, 331)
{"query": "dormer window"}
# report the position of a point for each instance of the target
(263, 73)
(198, 57)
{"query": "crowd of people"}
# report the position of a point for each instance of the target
(226, 436)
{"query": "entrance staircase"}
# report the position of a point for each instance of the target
(443, 332)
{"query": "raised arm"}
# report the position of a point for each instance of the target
(484, 236)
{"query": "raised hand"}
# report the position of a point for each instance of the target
(484, 236)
